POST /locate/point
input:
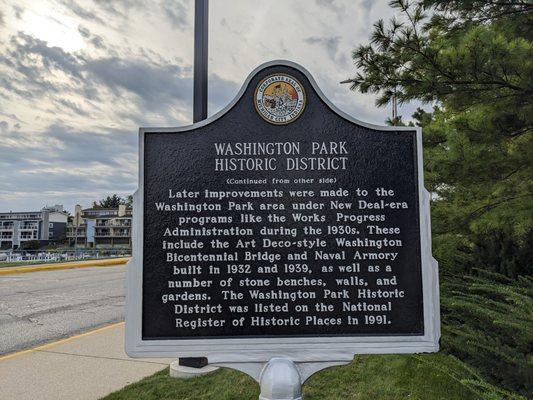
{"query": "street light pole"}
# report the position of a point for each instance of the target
(201, 28)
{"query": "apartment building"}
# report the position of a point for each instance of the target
(47, 225)
(100, 227)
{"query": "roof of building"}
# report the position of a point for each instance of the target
(57, 208)
(21, 212)
(104, 209)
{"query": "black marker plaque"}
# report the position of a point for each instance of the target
(280, 218)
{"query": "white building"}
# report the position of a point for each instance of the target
(101, 227)
(47, 225)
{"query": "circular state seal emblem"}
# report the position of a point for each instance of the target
(279, 99)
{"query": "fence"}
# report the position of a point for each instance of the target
(62, 255)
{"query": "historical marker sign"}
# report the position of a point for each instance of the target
(281, 226)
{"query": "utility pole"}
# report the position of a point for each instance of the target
(201, 28)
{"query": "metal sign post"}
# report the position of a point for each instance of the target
(201, 28)
(201, 47)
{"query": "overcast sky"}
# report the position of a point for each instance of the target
(77, 79)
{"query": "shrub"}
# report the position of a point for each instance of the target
(487, 322)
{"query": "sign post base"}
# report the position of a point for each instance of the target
(280, 380)
(184, 372)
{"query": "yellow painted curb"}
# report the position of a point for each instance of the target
(70, 265)
(52, 344)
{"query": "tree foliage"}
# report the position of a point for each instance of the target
(112, 201)
(487, 322)
(472, 60)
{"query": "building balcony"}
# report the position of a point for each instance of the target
(71, 232)
(114, 224)
(111, 234)
(102, 234)
(122, 234)
(99, 214)
(29, 226)
(80, 235)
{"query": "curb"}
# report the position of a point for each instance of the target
(59, 266)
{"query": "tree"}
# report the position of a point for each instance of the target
(471, 59)
(129, 200)
(110, 202)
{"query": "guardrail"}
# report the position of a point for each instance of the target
(62, 255)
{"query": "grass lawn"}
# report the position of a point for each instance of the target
(374, 377)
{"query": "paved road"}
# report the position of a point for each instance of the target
(40, 307)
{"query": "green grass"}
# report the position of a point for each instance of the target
(400, 377)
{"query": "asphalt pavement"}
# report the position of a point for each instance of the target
(40, 307)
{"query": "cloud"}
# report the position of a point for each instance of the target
(332, 6)
(70, 118)
(86, 33)
(32, 57)
(156, 85)
(120, 8)
(64, 159)
(176, 12)
(18, 10)
(330, 44)
(10, 115)
(221, 92)
(61, 145)
(82, 12)
(58, 161)
(2, 21)
(368, 4)
(96, 40)
(70, 105)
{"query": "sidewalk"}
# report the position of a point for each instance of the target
(83, 367)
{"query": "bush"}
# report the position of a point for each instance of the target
(487, 322)
(30, 245)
